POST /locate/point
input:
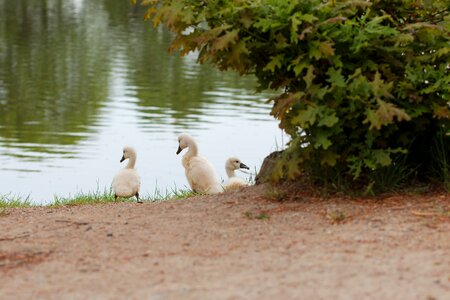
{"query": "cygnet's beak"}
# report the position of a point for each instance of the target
(123, 158)
(179, 150)
(243, 166)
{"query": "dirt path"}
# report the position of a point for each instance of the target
(244, 245)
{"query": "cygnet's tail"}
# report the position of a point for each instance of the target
(215, 189)
(235, 183)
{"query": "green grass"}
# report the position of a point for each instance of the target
(96, 197)
(258, 216)
(172, 193)
(11, 201)
(336, 215)
(181, 194)
(391, 178)
(276, 194)
(81, 198)
(441, 159)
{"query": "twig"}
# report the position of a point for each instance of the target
(423, 214)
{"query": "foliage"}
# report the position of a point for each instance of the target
(362, 83)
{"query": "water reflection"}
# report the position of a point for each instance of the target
(79, 79)
(54, 72)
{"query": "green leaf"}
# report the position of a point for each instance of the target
(444, 51)
(266, 25)
(387, 111)
(300, 64)
(359, 85)
(309, 77)
(308, 18)
(385, 115)
(321, 139)
(295, 22)
(355, 165)
(281, 41)
(329, 120)
(335, 77)
(306, 117)
(317, 91)
(314, 50)
(329, 158)
(274, 63)
(373, 119)
(382, 157)
(404, 39)
(230, 37)
(238, 50)
(326, 49)
(283, 104)
(246, 19)
(379, 88)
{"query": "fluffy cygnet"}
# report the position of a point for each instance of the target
(234, 182)
(199, 171)
(127, 182)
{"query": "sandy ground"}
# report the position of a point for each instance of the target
(258, 243)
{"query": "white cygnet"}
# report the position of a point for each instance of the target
(127, 182)
(199, 171)
(234, 182)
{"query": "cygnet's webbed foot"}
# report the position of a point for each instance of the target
(137, 198)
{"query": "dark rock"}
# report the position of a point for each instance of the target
(265, 173)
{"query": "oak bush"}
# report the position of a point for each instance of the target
(364, 86)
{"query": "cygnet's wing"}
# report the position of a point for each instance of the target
(201, 174)
(234, 183)
(137, 180)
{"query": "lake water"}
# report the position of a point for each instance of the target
(81, 79)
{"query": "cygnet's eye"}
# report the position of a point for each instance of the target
(237, 161)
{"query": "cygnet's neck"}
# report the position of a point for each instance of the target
(193, 149)
(131, 162)
(230, 171)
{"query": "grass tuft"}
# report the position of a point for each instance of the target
(95, 197)
(257, 216)
(441, 159)
(276, 194)
(183, 193)
(336, 216)
(10, 201)
(390, 178)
